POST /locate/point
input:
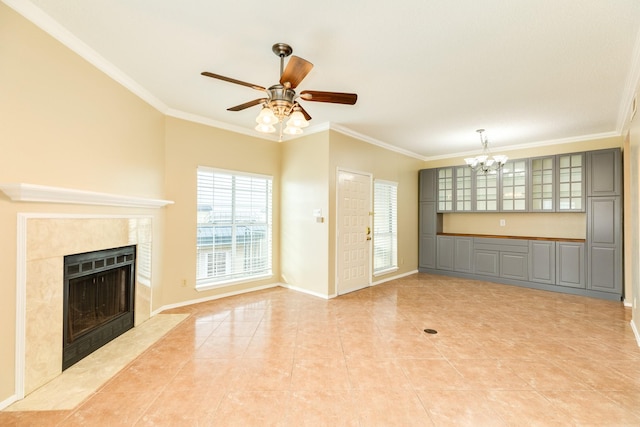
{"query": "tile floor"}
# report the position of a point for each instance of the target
(503, 356)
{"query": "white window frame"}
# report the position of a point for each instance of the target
(245, 210)
(385, 226)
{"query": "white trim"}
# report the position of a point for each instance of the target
(213, 297)
(385, 271)
(364, 138)
(64, 36)
(45, 194)
(217, 285)
(627, 303)
(399, 276)
(8, 401)
(635, 332)
(306, 291)
(21, 304)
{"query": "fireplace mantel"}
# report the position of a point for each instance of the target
(45, 194)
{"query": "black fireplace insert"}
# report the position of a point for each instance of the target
(98, 300)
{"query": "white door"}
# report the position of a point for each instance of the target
(354, 231)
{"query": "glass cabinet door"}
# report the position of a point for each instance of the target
(445, 189)
(542, 184)
(570, 182)
(514, 185)
(486, 192)
(463, 189)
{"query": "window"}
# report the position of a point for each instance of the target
(385, 226)
(234, 227)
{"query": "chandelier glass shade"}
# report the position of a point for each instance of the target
(486, 163)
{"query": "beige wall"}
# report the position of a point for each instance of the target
(358, 156)
(189, 145)
(632, 218)
(66, 124)
(305, 187)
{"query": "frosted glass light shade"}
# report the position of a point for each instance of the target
(296, 119)
(266, 117)
(265, 128)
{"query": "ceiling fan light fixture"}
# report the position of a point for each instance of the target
(266, 117)
(296, 119)
(265, 128)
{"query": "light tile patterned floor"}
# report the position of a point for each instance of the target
(503, 356)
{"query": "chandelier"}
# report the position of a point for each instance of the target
(486, 163)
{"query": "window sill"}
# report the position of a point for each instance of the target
(385, 271)
(215, 285)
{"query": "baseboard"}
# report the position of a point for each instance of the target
(213, 297)
(395, 277)
(635, 332)
(627, 303)
(307, 291)
(8, 401)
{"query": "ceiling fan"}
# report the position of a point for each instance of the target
(281, 100)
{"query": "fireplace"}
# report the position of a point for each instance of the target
(98, 300)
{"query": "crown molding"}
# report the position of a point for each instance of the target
(346, 131)
(44, 194)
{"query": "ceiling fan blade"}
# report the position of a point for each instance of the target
(333, 97)
(296, 70)
(304, 112)
(230, 80)
(247, 104)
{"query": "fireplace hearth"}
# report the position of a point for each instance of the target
(98, 300)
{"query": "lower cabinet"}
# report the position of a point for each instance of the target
(486, 262)
(570, 265)
(446, 252)
(513, 265)
(542, 261)
(455, 253)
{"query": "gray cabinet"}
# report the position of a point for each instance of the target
(446, 252)
(571, 182)
(513, 265)
(542, 261)
(463, 254)
(604, 244)
(428, 185)
(513, 183)
(604, 173)
(542, 192)
(486, 262)
(430, 224)
(570, 264)
(444, 182)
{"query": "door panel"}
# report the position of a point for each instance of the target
(354, 231)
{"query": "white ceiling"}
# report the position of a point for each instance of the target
(428, 73)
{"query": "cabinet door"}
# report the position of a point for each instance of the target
(570, 264)
(463, 189)
(430, 221)
(463, 254)
(427, 252)
(514, 186)
(542, 194)
(603, 168)
(604, 244)
(486, 262)
(428, 185)
(486, 192)
(542, 262)
(571, 191)
(446, 252)
(445, 189)
(513, 265)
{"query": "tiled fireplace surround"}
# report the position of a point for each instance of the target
(45, 240)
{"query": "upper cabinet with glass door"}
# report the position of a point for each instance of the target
(445, 189)
(463, 189)
(514, 186)
(542, 182)
(571, 188)
(486, 192)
